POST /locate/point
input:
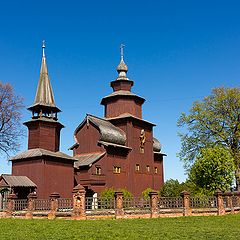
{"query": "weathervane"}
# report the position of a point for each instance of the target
(122, 48)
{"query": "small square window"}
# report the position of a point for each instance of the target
(156, 170)
(116, 169)
(148, 168)
(137, 167)
(98, 170)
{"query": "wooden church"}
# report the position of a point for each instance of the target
(117, 151)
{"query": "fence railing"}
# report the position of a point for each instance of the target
(3, 204)
(236, 201)
(203, 202)
(135, 203)
(170, 202)
(20, 204)
(119, 206)
(65, 204)
(98, 203)
(42, 205)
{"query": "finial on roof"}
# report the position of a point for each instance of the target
(43, 48)
(122, 67)
(122, 50)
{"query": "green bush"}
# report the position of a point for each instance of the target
(108, 193)
(126, 193)
(145, 193)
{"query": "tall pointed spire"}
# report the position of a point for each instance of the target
(44, 98)
(44, 94)
(122, 67)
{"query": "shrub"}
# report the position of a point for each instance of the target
(145, 193)
(108, 193)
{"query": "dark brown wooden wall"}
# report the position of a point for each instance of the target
(87, 137)
(129, 178)
(49, 175)
(44, 135)
(120, 106)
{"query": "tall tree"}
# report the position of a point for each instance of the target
(10, 116)
(213, 121)
(213, 169)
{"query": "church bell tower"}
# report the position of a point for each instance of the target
(44, 128)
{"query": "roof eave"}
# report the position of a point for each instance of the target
(104, 99)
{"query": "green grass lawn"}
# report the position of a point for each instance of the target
(212, 227)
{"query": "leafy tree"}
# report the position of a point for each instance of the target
(171, 188)
(212, 170)
(10, 116)
(214, 121)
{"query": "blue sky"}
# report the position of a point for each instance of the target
(176, 51)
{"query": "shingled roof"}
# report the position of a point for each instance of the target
(128, 115)
(87, 159)
(108, 132)
(122, 93)
(38, 152)
(156, 145)
(7, 180)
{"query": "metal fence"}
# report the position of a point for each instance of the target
(42, 204)
(203, 202)
(20, 204)
(65, 204)
(3, 204)
(97, 203)
(136, 203)
(170, 202)
(236, 201)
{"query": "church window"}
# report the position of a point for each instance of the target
(98, 170)
(156, 170)
(148, 168)
(137, 167)
(116, 169)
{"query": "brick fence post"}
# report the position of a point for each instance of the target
(118, 198)
(186, 203)
(31, 199)
(79, 208)
(220, 206)
(229, 200)
(154, 204)
(53, 204)
(10, 204)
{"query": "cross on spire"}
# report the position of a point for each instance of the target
(122, 50)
